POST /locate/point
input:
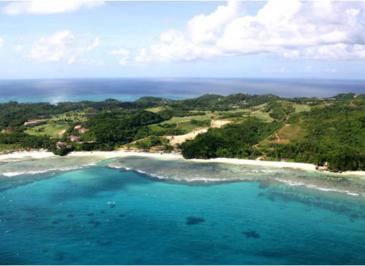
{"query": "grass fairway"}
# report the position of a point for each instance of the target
(186, 124)
(289, 132)
(70, 117)
(51, 129)
(155, 109)
(265, 116)
(286, 134)
(181, 125)
(58, 123)
(178, 120)
(301, 107)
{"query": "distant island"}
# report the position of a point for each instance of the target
(328, 132)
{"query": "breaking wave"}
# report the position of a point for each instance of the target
(42, 166)
(191, 172)
(213, 172)
(37, 172)
(312, 186)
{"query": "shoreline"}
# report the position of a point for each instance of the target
(42, 154)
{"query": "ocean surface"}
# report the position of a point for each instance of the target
(138, 210)
(58, 90)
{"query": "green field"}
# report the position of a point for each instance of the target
(51, 129)
(58, 123)
(181, 125)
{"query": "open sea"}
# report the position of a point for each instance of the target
(58, 90)
(138, 210)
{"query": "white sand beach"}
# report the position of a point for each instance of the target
(122, 153)
(34, 154)
(276, 164)
(41, 154)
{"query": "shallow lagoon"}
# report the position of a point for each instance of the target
(99, 215)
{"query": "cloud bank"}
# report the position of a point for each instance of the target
(44, 7)
(122, 54)
(291, 29)
(62, 46)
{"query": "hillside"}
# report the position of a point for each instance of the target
(328, 132)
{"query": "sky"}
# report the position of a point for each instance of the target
(154, 39)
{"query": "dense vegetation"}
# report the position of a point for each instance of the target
(327, 131)
(334, 134)
(112, 129)
(26, 141)
(236, 140)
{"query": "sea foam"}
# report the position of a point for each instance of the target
(212, 172)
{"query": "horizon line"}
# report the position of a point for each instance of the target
(184, 78)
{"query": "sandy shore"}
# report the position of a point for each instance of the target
(170, 156)
(25, 155)
(121, 154)
(103, 154)
(276, 164)
(160, 156)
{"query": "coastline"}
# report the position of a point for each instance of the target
(42, 154)
(275, 164)
(33, 154)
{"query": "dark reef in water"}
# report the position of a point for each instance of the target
(191, 220)
(112, 204)
(94, 223)
(103, 242)
(251, 234)
(57, 221)
(59, 256)
(353, 211)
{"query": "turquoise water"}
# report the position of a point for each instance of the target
(99, 215)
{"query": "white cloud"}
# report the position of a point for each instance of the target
(293, 29)
(43, 7)
(1, 42)
(95, 43)
(61, 46)
(123, 55)
(206, 28)
(18, 47)
(331, 51)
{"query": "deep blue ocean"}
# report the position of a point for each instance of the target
(99, 215)
(57, 90)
